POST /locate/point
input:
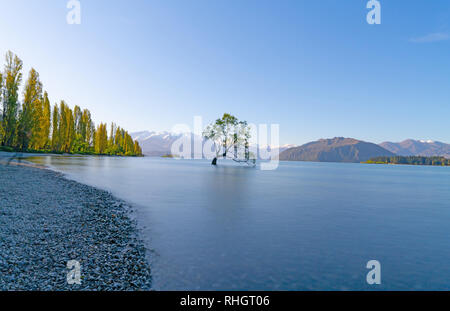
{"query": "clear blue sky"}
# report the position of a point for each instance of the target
(315, 67)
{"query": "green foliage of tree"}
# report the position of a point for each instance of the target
(55, 129)
(2, 134)
(101, 139)
(45, 124)
(66, 128)
(28, 128)
(12, 77)
(121, 143)
(229, 133)
(34, 127)
(137, 149)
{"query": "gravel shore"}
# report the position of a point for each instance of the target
(47, 221)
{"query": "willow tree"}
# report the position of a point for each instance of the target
(12, 78)
(229, 134)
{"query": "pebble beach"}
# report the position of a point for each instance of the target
(47, 220)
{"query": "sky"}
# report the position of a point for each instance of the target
(316, 68)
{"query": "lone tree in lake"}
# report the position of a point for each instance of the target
(229, 134)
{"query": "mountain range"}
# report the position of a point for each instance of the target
(412, 147)
(159, 144)
(338, 149)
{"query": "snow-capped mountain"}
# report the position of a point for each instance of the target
(156, 143)
(159, 144)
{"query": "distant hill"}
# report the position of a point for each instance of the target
(338, 149)
(412, 147)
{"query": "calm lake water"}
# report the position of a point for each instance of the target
(304, 226)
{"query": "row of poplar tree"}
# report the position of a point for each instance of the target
(34, 126)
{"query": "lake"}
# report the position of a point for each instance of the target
(304, 226)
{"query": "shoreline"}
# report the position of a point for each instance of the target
(81, 154)
(47, 220)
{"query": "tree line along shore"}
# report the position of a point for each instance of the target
(34, 126)
(411, 160)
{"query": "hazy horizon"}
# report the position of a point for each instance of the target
(331, 137)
